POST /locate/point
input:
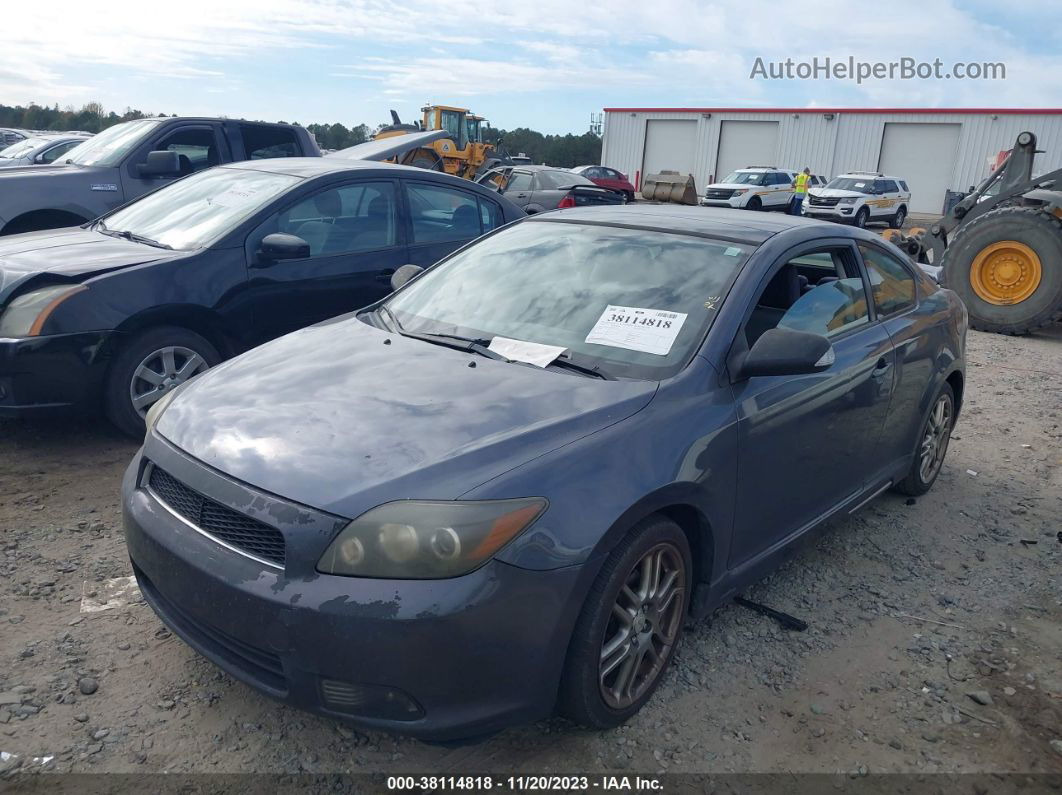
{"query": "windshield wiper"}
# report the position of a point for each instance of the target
(568, 364)
(471, 345)
(125, 234)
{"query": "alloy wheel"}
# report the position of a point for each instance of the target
(643, 627)
(162, 371)
(935, 439)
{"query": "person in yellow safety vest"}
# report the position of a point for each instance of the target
(800, 190)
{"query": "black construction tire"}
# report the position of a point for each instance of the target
(1040, 231)
(754, 204)
(580, 696)
(896, 222)
(913, 485)
(861, 218)
(116, 401)
(426, 161)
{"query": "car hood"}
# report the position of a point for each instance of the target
(38, 170)
(67, 255)
(835, 192)
(731, 186)
(343, 416)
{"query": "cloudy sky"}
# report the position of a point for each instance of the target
(545, 64)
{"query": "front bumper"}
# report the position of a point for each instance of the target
(466, 656)
(839, 212)
(736, 202)
(39, 375)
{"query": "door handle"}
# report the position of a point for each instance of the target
(881, 368)
(385, 275)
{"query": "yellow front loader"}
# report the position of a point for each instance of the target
(462, 152)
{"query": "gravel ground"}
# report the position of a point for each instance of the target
(934, 644)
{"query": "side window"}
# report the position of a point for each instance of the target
(56, 152)
(440, 214)
(879, 186)
(262, 142)
(346, 219)
(520, 180)
(490, 216)
(890, 186)
(903, 186)
(196, 148)
(820, 292)
(891, 284)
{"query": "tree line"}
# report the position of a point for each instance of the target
(564, 151)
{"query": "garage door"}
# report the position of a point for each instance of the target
(746, 143)
(924, 155)
(669, 146)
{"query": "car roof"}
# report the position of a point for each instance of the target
(866, 175)
(311, 167)
(737, 225)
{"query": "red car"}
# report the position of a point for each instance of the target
(607, 178)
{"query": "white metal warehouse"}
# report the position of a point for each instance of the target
(934, 150)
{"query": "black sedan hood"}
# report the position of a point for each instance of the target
(338, 419)
(67, 255)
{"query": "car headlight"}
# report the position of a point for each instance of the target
(25, 315)
(847, 200)
(156, 410)
(740, 191)
(419, 540)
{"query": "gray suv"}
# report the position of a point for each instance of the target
(133, 158)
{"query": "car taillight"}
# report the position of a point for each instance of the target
(567, 201)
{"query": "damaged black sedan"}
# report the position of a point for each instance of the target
(121, 311)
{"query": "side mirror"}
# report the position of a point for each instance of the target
(405, 274)
(278, 246)
(782, 351)
(161, 164)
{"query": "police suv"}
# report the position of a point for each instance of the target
(859, 197)
(752, 188)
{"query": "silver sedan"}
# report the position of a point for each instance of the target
(40, 149)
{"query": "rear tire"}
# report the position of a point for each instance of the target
(932, 445)
(896, 222)
(1033, 229)
(147, 358)
(614, 663)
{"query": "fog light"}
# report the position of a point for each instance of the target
(369, 701)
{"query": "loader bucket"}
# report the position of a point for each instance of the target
(670, 186)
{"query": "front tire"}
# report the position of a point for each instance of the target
(932, 445)
(629, 626)
(754, 204)
(1004, 266)
(153, 363)
(861, 218)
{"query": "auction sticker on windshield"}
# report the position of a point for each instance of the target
(636, 329)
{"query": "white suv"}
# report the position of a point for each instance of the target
(859, 197)
(752, 188)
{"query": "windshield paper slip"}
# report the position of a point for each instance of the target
(647, 330)
(530, 352)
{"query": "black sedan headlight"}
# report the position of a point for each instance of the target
(25, 315)
(427, 540)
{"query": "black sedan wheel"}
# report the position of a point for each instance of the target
(629, 627)
(932, 445)
(152, 365)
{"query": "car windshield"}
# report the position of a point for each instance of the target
(110, 146)
(194, 212)
(745, 178)
(21, 148)
(858, 184)
(630, 302)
